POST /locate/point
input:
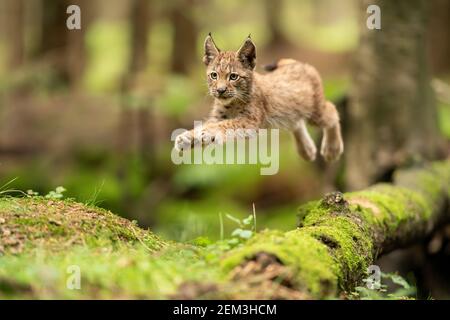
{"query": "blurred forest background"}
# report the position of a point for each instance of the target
(93, 109)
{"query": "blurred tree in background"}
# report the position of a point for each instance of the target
(185, 35)
(392, 115)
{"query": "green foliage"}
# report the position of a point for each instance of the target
(107, 46)
(246, 228)
(400, 291)
(55, 194)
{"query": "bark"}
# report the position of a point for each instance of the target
(392, 113)
(439, 35)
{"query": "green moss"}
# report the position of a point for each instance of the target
(314, 269)
(41, 238)
(35, 222)
(388, 206)
(311, 212)
(430, 181)
(127, 272)
(349, 245)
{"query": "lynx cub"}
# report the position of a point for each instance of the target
(286, 97)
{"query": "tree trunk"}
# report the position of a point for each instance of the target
(439, 35)
(184, 43)
(135, 118)
(54, 37)
(341, 235)
(392, 113)
(14, 26)
(60, 47)
(140, 16)
(76, 47)
(273, 17)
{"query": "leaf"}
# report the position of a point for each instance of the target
(397, 280)
(237, 232)
(60, 189)
(246, 234)
(249, 220)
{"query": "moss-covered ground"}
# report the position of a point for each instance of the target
(42, 242)
(41, 239)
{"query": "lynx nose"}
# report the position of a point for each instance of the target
(221, 90)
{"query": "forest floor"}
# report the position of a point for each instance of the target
(42, 239)
(62, 249)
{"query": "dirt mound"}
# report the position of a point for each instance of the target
(36, 222)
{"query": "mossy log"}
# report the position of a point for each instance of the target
(339, 236)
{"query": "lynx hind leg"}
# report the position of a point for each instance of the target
(305, 144)
(332, 145)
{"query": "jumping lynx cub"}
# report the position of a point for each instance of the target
(286, 97)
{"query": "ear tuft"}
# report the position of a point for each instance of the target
(247, 53)
(211, 50)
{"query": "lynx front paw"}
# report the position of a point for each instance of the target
(331, 149)
(184, 141)
(210, 136)
(189, 139)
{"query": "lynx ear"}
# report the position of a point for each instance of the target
(247, 54)
(211, 50)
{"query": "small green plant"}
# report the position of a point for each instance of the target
(32, 193)
(403, 291)
(246, 228)
(56, 194)
(92, 201)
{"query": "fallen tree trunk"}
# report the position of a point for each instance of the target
(340, 236)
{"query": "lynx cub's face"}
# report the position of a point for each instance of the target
(229, 73)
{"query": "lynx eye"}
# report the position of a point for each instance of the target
(234, 76)
(213, 75)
